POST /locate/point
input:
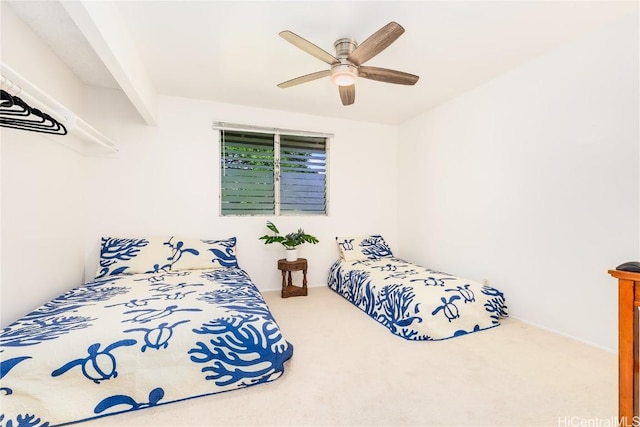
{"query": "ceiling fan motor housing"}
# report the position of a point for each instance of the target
(344, 72)
(344, 47)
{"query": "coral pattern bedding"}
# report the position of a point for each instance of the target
(125, 342)
(413, 302)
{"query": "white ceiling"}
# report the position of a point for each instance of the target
(230, 51)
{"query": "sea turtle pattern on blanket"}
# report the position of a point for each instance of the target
(127, 342)
(417, 303)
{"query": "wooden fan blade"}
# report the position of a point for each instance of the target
(308, 47)
(376, 43)
(387, 76)
(347, 94)
(305, 78)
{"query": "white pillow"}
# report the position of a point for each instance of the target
(198, 254)
(357, 248)
(132, 256)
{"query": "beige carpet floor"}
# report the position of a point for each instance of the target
(348, 370)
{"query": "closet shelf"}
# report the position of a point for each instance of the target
(17, 85)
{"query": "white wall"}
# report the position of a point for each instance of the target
(42, 188)
(531, 181)
(165, 181)
(43, 220)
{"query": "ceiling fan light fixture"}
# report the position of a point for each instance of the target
(344, 74)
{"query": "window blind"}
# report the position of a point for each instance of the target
(303, 169)
(266, 174)
(247, 182)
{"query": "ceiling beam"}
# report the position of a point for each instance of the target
(107, 33)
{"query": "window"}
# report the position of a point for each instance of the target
(272, 173)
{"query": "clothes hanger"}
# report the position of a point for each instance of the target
(16, 114)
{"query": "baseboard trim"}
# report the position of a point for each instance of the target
(592, 344)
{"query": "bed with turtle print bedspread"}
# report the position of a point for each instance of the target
(124, 342)
(413, 302)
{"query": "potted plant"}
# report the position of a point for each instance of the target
(290, 241)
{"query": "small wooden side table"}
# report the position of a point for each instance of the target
(288, 288)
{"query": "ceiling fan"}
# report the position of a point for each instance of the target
(346, 65)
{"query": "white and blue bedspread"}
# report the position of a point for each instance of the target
(128, 342)
(417, 303)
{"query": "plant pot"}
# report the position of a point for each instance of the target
(292, 254)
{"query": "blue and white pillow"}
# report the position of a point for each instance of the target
(358, 248)
(132, 256)
(198, 254)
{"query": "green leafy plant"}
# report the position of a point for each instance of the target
(290, 240)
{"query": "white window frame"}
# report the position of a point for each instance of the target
(276, 132)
